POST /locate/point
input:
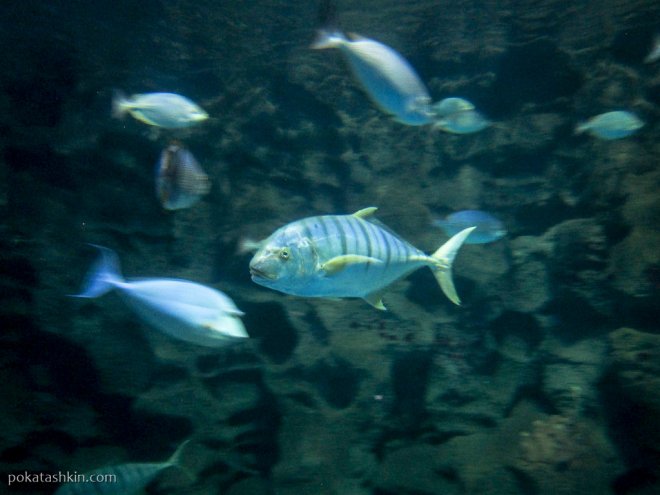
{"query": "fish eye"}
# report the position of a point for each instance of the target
(284, 254)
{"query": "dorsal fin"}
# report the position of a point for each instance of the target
(365, 212)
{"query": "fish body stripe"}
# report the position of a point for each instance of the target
(361, 224)
(385, 243)
(341, 233)
(353, 235)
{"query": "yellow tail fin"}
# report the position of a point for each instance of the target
(444, 257)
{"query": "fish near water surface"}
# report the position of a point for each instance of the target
(487, 227)
(611, 125)
(122, 479)
(180, 180)
(166, 110)
(346, 256)
(182, 309)
(387, 78)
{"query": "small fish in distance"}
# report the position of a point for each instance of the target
(182, 309)
(465, 122)
(346, 256)
(387, 78)
(611, 125)
(488, 228)
(166, 110)
(180, 180)
(451, 105)
(122, 479)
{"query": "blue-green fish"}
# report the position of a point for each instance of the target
(451, 105)
(464, 122)
(182, 309)
(488, 228)
(167, 110)
(121, 479)
(611, 125)
(346, 256)
(387, 77)
(180, 180)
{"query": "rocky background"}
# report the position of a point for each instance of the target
(545, 381)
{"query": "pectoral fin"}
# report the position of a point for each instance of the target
(376, 300)
(338, 263)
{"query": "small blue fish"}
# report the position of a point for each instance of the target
(451, 105)
(167, 110)
(465, 122)
(184, 310)
(346, 256)
(488, 228)
(122, 479)
(180, 180)
(387, 77)
(611, 125)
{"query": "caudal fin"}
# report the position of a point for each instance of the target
(444, 256)
(119, 106)
(175, 460)
(102, 276)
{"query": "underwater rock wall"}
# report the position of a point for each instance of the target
(528, 387)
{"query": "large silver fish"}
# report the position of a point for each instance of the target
(387, 77)
(182, 309)
(346, 256)
(180, 180)
(167, 110)
(121, 479)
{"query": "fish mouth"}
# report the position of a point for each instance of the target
(255, 272)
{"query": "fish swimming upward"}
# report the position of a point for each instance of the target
(182, 309)
(387, 77)
(122, 479)
(346, 256)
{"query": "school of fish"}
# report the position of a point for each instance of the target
(325, 256)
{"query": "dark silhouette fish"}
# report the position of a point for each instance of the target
(180, 180)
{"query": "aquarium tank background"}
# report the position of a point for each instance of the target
(544, 380)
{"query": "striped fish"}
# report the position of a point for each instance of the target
(346, 256)
(121, 479)
(180, 180)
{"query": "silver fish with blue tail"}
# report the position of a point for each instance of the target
(122, 479)
(180, 180)
(346, 256)
(182, 309)
(611, 125)
(388, 79)
(166, 110)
